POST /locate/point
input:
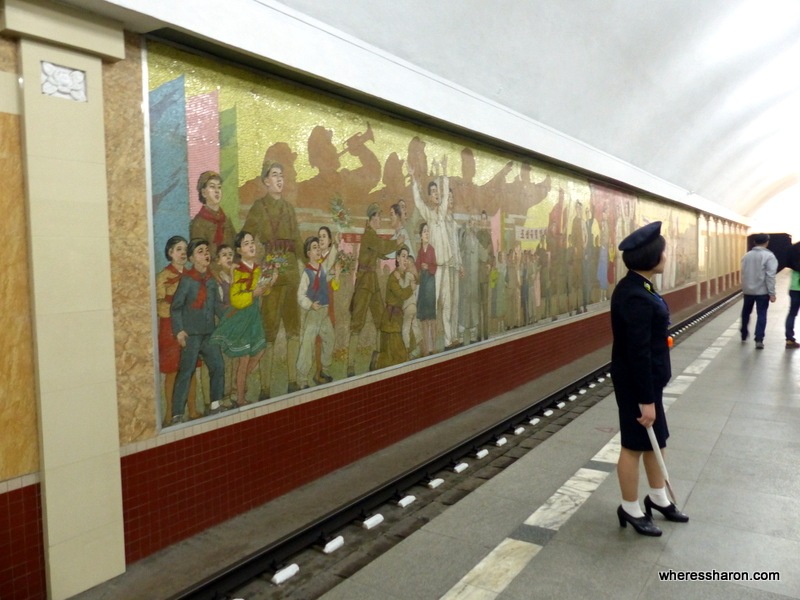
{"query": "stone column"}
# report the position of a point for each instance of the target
(61, 54)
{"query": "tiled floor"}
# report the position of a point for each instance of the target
(546, 526)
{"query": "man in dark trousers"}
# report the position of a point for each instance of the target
(759, 266)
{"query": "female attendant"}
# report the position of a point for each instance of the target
(640, 368)
(240, 332)
(426, 301)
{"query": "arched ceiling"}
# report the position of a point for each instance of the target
(704, 94)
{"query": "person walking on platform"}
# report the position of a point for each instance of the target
(794, 306)
(640, 369)
(759, 266)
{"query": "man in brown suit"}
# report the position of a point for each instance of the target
(273, 222)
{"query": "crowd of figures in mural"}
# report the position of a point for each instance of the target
(307, 280)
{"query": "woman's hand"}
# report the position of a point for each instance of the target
(648, 415)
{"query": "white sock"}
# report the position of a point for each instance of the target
(633, 509)
(659, 496)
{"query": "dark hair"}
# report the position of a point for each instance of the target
(171, 243)
(220, 248)
(237, 241)
(194, 244)
(307, 244)
(645, 258)
(328, 230)
(397, 254)
(395, 208)
(202, 182)
(760, 238)
(422, 226)
(432, 184)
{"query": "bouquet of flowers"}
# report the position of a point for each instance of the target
(347, 260)
(273, 262)
(339, 212)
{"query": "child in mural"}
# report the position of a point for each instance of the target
(211, 223)
(240, 333)
(313, 297)
(426, 301)
(169, 350)
(273, 222)
(329, 253)
(224, 276)
(193, 310)
(411, 331)
(367, 291)
(399, 289)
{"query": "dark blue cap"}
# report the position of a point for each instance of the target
(641, 237)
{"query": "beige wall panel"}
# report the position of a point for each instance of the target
(87, 357)
(47, 20)
(95, 551)
(63, 266)
(70, 411)
(99, 475)
(130, 248)
(19, 433)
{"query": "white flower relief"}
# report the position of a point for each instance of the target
(63, 82)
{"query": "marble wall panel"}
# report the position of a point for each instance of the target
(130, 254)
(8, 55)
(19, 445)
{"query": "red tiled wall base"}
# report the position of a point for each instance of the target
(22, 575)
(681, 299)
(177, 490)
(704, 290)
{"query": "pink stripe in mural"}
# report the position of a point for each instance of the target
(202, 141)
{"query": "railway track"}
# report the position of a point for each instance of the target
(315, 558)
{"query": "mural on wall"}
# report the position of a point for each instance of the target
(300, 239)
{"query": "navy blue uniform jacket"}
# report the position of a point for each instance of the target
(640, 365)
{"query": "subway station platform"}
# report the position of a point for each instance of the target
(546, 527)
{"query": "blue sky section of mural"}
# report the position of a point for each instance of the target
(169, 164)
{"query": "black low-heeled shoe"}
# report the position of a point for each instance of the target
(671, 512)
(642, 525)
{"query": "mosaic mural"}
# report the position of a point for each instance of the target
(301, 239)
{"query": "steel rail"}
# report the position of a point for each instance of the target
(275, 555)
